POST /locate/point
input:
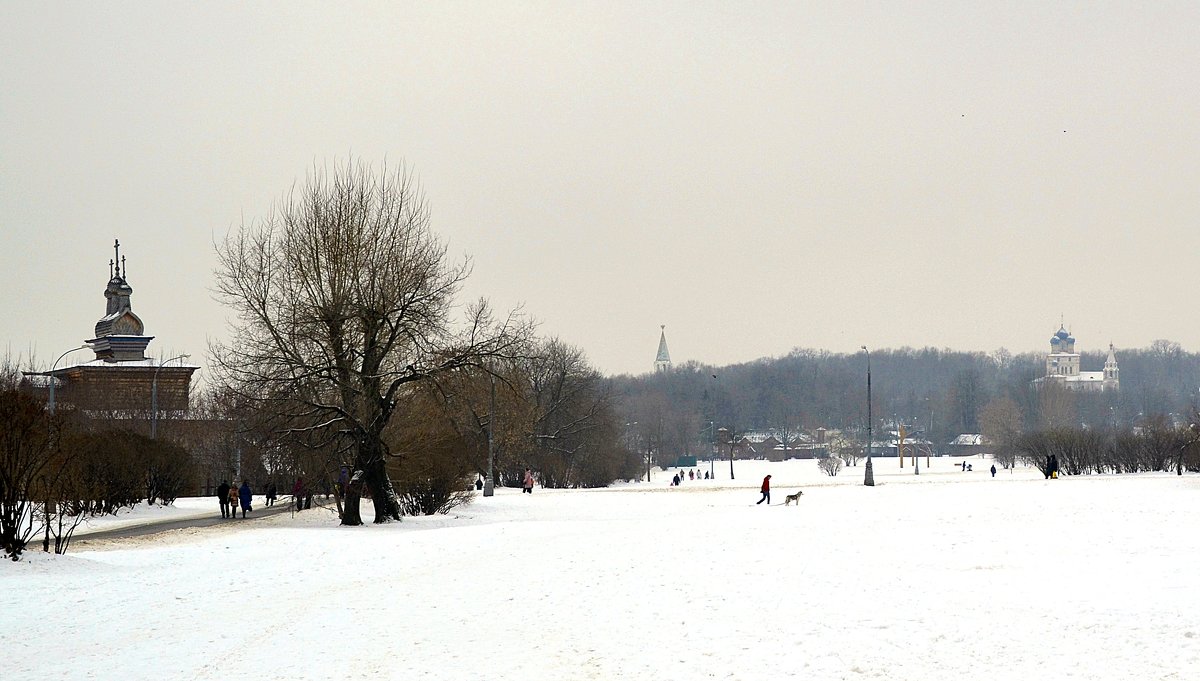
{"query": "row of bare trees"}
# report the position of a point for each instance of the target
(58, 468)
(1155, 446)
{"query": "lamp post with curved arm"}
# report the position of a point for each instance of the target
(154, 395)
(53, 380)
(869, 480)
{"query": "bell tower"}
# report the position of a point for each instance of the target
(1112, 374)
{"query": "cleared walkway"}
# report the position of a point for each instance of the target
(284, 505)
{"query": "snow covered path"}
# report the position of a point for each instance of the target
(945, 576)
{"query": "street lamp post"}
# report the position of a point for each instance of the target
(154, 395)
(85, 346)
(869, 480)
(489, 485)
(712, 452)
(731, 443)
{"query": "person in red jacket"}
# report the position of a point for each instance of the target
(766, 490)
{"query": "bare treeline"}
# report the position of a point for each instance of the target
(1155, 446)
(57, 468)
(941, 393)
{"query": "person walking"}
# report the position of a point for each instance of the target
(223, 498)
(528, 488)
(766, 491)
(993, 470)
(245, 495)
(298, 493)
(272, 494)
(233, 500)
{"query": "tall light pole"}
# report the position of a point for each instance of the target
(85, 346)
(489, 486)
(869, 481)
(731, 444)
(916, 460)
(712, 452)
(154, 395)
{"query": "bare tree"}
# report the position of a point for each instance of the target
(574, 434)
(846, 448)
(830, 465)
(344, 296)
(27, 448)
(1000, 424)
(479, 405)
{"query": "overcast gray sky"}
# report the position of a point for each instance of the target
(757, 177)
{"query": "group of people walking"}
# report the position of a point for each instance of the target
(231, 498)
(690, 475)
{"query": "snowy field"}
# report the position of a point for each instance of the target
(949, 575)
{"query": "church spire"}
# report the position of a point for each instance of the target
(119, 333)
(663, 361)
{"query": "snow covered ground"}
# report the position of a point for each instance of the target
(949, 575)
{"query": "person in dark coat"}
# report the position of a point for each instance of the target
(223, 498)
(479, 483)
(993, 470)
(244, 496)
(766, 491)
(298, 493)
(1051, 467)
(272, 494)
(675, 480)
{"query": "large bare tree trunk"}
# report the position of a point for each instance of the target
(351, 514)
(382, 495)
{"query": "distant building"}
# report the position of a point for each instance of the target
(1062, 367)
(967, 444)
(662, 362)
(773, 445)
(121, 379)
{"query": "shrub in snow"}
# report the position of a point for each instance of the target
(831, 466)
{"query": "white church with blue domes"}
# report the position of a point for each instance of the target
(1062, 366)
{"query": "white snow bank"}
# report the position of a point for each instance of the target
(949, 575)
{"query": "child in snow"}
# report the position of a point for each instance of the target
(528, 481)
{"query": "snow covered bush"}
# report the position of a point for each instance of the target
(830, 465)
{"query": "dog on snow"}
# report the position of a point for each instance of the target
(793, 497)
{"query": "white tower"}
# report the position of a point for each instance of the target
(663, 361)
(1112, 375)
